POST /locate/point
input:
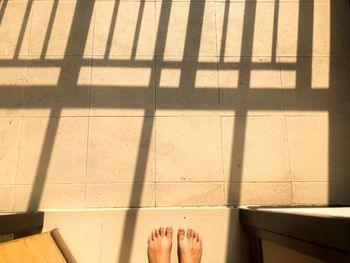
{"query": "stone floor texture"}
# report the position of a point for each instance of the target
(173, 103)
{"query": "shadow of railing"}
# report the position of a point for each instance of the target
(320, 99)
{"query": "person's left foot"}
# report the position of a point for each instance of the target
(159, 245)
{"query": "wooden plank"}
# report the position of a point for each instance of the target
(62, 246)
(40, 248)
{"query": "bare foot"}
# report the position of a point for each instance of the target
(189, 246)
(159, 245)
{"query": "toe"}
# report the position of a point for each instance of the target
(194, 234)
(197, 237)
(153, 235)
(189, 233)
(156, 232)
(180, 234)
(161, 231)
(169, 232)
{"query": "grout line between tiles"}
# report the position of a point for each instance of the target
(219, 101)
(87, 142)
(285, 123)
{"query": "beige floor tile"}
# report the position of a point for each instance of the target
(287, 34)
(80, 230)
(120, 195)
(188, 149)
(313, 37)
(317, 85)
(250, 86)
(61, 28)
(335, 193)
(248, 1)
(338, 148)
(276, 1)
(49, 196)
(124, 28)
(58, 88)
(230, 25)
(141, 222)
(340, 20)
(310, 102)
(12, 83)
(121, 150)
(130, 0)
(324, 41)
(245, 29)
(6, 197)
(308, 139)
(260, 152)
(9, 141)
(310, 192)
(14, 28)
(305, 1)
(319, 148)
(191, 88)
(121, 90)
(189, 194)
(338, 193)
(52, 150)
(186, 28)
(317, 73)
(258, 193)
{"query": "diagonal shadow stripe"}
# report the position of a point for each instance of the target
(240, 126)
(82, 16)
(24, 26)
(2, 9)
(131, 216)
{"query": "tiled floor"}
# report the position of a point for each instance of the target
(182, 103)
(165, 103)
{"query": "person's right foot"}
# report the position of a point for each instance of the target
(189, 246)
(159, 245)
